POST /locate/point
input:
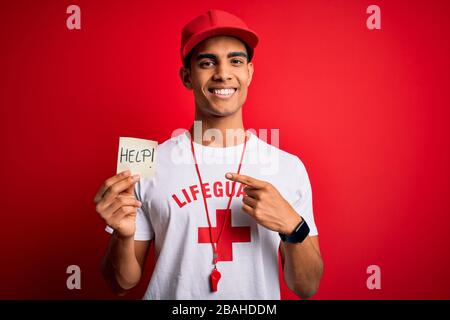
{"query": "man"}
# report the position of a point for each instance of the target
(216, 231)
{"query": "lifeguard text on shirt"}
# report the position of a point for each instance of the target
(137, 155)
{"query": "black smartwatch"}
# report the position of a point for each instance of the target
(300, 233)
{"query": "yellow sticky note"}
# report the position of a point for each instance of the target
(137, 155)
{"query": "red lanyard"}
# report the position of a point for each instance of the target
(215, 275)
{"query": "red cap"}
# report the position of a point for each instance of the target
(215, 23)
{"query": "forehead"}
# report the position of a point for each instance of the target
(220, 44)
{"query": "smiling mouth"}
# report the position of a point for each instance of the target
(223, 93)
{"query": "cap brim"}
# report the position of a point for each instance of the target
(246, 35)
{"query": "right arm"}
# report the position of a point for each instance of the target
(124, 259)
(123, 263)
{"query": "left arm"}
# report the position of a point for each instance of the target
(302, 266)
(302, 262)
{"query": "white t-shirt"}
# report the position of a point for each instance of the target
(173, 215)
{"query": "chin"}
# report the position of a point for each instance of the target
(220, 110)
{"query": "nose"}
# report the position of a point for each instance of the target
(223, 72)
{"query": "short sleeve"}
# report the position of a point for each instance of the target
(303, 204)
(144, 228)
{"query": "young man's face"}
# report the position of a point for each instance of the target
(219, 75)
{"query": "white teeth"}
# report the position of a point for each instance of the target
(224, 92)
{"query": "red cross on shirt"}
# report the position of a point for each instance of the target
(229, 235)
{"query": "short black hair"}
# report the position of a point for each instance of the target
(187, 59)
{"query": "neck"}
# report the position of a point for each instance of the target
(216, 131)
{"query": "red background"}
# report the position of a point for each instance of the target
(366, 110)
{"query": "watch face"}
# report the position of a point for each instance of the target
(299, 225)
(300, 233)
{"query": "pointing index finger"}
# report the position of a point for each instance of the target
(247, 180)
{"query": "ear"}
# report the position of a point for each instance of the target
(185, 76)
(251, 69)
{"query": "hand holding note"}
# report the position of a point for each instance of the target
(115, 201)
(117, 205)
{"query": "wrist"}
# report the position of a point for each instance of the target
(121, 237)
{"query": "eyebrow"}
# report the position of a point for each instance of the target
(237, 54)
(214, 57)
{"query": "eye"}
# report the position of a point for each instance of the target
(236, 61)
(206, 64)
